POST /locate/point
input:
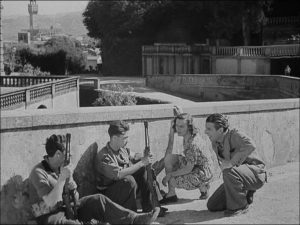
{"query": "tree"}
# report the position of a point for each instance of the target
(128, 25)
(231, 18)
(72, 48)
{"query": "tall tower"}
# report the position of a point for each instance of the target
(33, 10)
(1, 42)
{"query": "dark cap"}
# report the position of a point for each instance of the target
(118, 127)
(54, 143)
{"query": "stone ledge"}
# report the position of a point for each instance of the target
(14, 120)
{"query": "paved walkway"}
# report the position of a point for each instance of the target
(276, 203)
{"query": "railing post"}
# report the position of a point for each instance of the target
(52, 94)
(77, 95)
(213, 50)
(27, 98)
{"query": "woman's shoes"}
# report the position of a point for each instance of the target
(167, 200)
(249, 196)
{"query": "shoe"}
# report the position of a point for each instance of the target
(167, 200)
(249, 197)
(236, 212)
(203, 196)
(146, 218)
(162, 211)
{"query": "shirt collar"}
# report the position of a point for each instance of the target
(222, 139)
(110, 149)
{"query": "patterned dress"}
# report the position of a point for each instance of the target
(195, 153)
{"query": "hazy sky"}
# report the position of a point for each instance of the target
(12, 7)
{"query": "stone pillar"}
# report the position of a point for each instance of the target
(1, 43)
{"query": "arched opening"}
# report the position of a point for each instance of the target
(42, 107)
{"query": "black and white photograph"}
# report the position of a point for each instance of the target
(149, 112)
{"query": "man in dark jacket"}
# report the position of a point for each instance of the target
(242, 169)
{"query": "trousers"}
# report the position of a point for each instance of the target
(237, 181)
(97, 207)
(124, 191)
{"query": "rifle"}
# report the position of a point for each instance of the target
(151, 178)
(69, 196)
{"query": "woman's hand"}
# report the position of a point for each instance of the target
(166, 179)
(172, 130)
(177, 110)
(72, 185)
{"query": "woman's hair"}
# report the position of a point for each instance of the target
(54, 143)
(219, 120)
(190, 123)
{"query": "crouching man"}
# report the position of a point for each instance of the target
(242, 168)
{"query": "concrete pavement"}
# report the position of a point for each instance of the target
(277, 202)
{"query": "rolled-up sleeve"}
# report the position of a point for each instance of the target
(107, 166)
(39, 179)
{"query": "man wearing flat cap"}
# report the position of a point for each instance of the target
(119, 173)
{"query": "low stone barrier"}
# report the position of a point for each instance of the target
(227, 87)
(273, 124)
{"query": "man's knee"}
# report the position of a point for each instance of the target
(170, 160)
(211, 205)
(229, 175)
(93, 198)
(129, 182)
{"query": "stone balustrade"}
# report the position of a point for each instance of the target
(247, 51)
(283, 20)
(167, 49)
(23, 81)
(38, 90)
(263, 51)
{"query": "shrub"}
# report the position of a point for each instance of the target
(115, 95)
(29, 70)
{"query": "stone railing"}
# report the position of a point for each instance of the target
(167, 48)
(248, 51)
(285, 50)
(283, 20)
(27, 95)
(24, 81)
(264, 51)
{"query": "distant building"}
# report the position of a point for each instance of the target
(91, 62)
(24, 37)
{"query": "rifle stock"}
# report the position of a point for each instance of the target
(69, 196)
(151, 178)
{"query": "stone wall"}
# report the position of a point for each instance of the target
(221, 87)
(240, 65)
(23, 134)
